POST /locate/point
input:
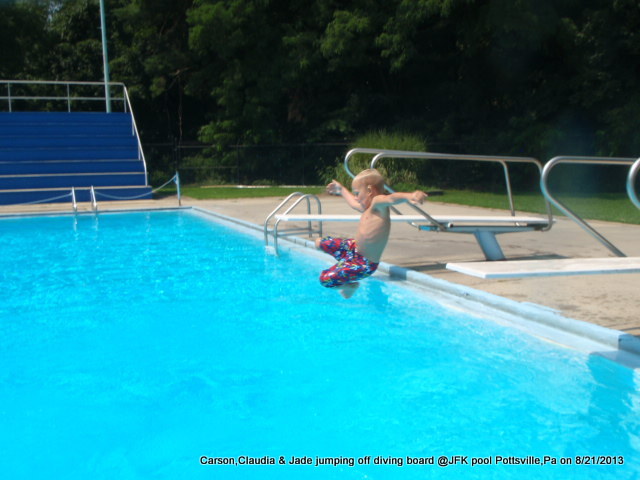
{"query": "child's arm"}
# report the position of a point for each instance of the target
(336, 188)
(386, 201)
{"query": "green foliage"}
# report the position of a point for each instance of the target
(395, 171)
(24, 40)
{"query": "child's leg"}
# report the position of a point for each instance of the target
(348, 289)
(341, 278)
(333, 246)
(345, 274)
(336, 276)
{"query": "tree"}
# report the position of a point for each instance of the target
(24, 40)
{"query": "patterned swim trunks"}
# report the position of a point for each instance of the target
(351, 266)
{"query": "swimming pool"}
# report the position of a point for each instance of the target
(147, 345)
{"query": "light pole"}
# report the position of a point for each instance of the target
(105, 57)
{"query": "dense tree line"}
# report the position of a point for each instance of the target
(519, 77)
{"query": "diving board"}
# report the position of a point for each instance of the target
(547, 268)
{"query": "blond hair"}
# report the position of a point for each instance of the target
(372, 177)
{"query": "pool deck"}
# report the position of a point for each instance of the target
(610, 300)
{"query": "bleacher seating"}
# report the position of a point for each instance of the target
(44, 154)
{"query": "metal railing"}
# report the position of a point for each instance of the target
(94, 194)
(69, 97)
(551, 164)
(631, 183)
(94, 201)
(379, 154)
(175, 179)
(136, 133)
(74, 202)
(309, 230)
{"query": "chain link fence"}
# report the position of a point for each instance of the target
(284, 164)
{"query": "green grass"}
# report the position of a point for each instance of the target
(606, 206)
(612, 207)
(222, 192)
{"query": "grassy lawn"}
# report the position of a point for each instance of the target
(222, 192)
(609, 207)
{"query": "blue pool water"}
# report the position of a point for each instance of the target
(137, 346)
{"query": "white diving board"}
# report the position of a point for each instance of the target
(547, 268)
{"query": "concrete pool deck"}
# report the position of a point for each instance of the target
(608, 300)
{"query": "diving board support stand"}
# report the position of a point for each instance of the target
(489, 245)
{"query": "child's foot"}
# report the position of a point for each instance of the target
(349, 289)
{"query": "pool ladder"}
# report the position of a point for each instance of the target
(291, 202)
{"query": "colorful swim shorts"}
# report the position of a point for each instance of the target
(351, 266)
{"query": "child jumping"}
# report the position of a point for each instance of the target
(358, 258)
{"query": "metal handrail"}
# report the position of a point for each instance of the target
(503, 160)
(136, 134)
(303, 196)
(631, 182)
(566, 210)
(74, 203)
(68, 97)
(375, 151)
(94, 201)
(176, 180)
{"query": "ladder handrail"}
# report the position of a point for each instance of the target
(302, 197)
(74, 203)
(631, 182)
(176, 180)
(94, 202)
(566, 210)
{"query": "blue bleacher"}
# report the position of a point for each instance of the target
(44, 154)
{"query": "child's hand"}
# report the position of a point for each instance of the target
(418, 197)
(334, 188)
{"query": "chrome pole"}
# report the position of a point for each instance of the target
(544, 186)
(105, 57)
(74, 203)
(177, 182)
(631, 182)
